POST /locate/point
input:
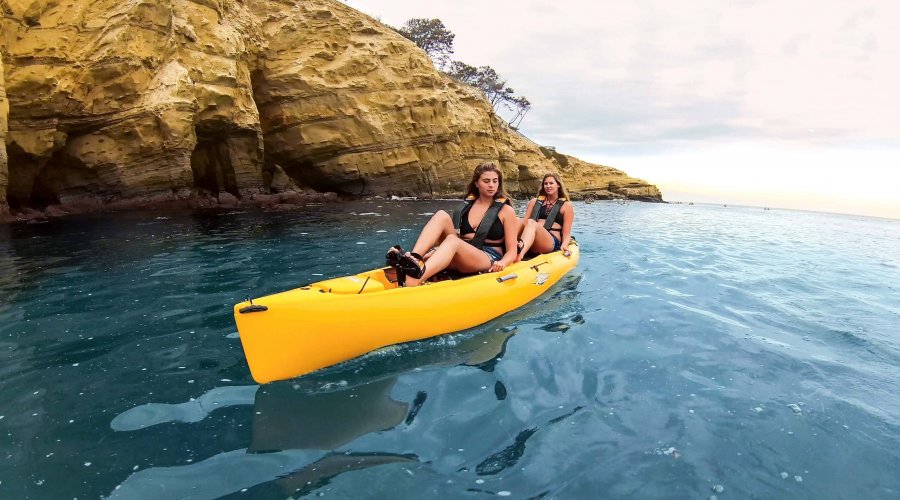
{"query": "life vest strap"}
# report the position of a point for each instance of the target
(486, 222)
(551, 217)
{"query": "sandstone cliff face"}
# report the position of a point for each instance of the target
(115, 103)
(4, 168)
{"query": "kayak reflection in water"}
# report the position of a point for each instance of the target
(480, 237)
(547, 225)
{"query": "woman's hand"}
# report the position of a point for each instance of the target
(497, 266)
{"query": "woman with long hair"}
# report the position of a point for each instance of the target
(486, 240)
(548, 220)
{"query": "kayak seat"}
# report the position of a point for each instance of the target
(450, 274)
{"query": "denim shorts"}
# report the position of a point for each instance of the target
(492, 254)
(556, 243)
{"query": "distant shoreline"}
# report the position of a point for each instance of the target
(771, 208)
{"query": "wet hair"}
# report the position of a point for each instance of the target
(562, 190)
(479, 171)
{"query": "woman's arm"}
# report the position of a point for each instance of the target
(568, 217)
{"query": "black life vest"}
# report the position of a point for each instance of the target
(486, 222)
(551, 217)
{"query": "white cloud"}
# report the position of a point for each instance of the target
(624, 79)
(860, 180)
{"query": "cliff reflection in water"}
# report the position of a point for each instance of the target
(299, 426)
(286, 418)
(322, 412)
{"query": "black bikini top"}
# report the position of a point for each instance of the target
(490, 227)
(539, 211)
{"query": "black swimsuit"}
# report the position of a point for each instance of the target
(542, 214)
(465, 227)
(496, 232)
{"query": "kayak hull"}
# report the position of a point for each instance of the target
(298, 331)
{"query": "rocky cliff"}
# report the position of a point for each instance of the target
(4, 164)
(119, 104)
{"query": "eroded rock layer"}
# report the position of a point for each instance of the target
(4, 166)
(118, 104)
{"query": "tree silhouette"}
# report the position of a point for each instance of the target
(437, 41)
(522, 106)
(431, 36)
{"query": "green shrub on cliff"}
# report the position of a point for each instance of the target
(436, 40)
(431, 36)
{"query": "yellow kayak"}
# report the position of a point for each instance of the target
(292, 333)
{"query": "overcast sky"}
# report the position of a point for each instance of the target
(791, 103)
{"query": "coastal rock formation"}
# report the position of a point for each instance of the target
(4, 169)
(604, 183)
(121, 104)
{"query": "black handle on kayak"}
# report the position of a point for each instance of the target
(507, 278)
(539, 264)
(252, 308)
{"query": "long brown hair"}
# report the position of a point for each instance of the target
(481, 169)
(562, 190)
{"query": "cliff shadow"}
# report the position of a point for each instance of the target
(38, 182)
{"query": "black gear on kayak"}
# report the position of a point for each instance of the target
(393, 261)
(412, 265)
(393, 256)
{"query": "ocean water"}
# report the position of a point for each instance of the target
(695, 352)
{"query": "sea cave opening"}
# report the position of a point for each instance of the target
(211, 164)
(34, 182)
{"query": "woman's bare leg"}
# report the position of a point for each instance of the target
(543, 240)
(522, 223)
(456, 252)
(528, 234)
(435, 231)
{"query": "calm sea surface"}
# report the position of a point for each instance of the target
(696, 351)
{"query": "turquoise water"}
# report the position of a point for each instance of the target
(695, 351)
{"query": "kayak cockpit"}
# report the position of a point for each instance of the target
(369, 282)
(379, 280)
